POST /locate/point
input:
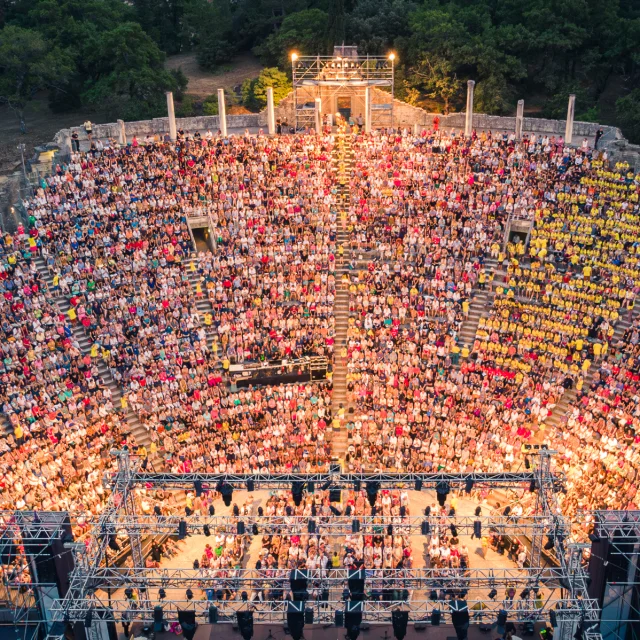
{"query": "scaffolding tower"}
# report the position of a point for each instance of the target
(344, 83)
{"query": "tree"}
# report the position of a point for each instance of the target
(436, 77)
(129, 80)
(304, 32)
(254, 92)
(628, 115)
(336, 31)
(209, 28)
(28, 64)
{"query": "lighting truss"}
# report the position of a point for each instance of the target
(241, 579)
(275, 610)
(92, 577)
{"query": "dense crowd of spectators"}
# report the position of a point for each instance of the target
(108, 233)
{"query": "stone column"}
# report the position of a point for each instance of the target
(519, 119)
(367, 110)
(468, 120)
(568, 132)
(222, 113)
(271, 114)
(317, 113)
(122, 133)
(173, 132)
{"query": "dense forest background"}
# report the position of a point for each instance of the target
(110, 54)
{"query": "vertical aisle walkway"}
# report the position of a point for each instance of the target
(343, 160)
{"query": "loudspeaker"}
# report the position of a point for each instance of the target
(355, 581)
(295, 619)
(338, 618)
(187, 620)
(435, 617)
(213, 614)
(298, 581)
(158, 618)
(245, 624)
(399, 620)
(308, 616)
(335, 495)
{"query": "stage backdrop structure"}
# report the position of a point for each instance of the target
(343, 83)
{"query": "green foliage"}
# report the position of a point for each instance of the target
(254, 92)
(187, 107)
(303, 32)
(163, 20)
(336, 30)
(28, 64)
(210, 104)
(556, 106)
(209, 29)
(628, 115)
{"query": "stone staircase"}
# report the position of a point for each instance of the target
(343, 159)
(480, 305)
(84, 342)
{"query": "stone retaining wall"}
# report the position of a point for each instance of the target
(405, 115)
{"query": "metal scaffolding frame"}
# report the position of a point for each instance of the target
(621, 599)
(29, 534)
(115, 593)
(337, 73)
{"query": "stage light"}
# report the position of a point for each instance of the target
(212, 510)
(549, 544)
(492, 594)
(507, 511)
(433, 595)
(524, 594)
(197, 485)
(226, 490)
(88, 619)
(527, 462)
(254, 529)
(189, 594)
(157, 511)
(442, 490)
(454, 531)
(532, 486)
(478, 511)
(477, 529)
(425, 528)
(294, 56)
(240, 528)
(355, 526)
(357, 485)
(251, 485)
(427, 511)
(128, 593)
(182, 530)
(311, 526)
(418, 486)
(468, 487)
(162, 594)
(392, 56)
(206, 530)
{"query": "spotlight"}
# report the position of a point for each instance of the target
(189, 594)
(251, 485)
(454, 531)
(182, 530)
(197, 485)
(532, 486)
(478, 511)
(549, 544)
(311, 487)
(477, 529)
(442, 490)
(357, 485)
(206, 530)
(157, 511)
(325, 485)
(240, 528)
(527, 462)
(162, 594)
(128, 592)
(418, 486)
(425, 528)
(525, 594)
(427, 511)
(311, 526)
(212, 510)
(433, 595)
(88, 619)
(492, 594)
(254, 529)
(355, 526)
(507, 511)
(468, 487)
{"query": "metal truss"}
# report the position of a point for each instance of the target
(374, 610)
(181, 481)
(330, 525)
(133, 592)
(239, 579)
